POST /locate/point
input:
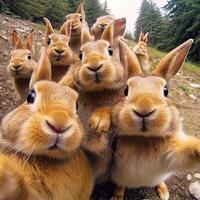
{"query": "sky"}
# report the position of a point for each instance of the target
(129, 9)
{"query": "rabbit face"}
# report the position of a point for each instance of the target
(21, 64)
(58, 50)
(47, 124)
(145, 110)
(77, 23)
(99, 68)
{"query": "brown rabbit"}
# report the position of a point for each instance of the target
(141, 51)
(59, 52)
(21, 64)
(100, 25)
(100, 80)
(40, 154)
(78, 23)
(151, 143)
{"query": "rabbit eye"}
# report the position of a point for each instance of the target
(76, 105)
(49, 41)
(81, 55)
(110, 51)
(166, 92)
(31, 96)
(126, 91)
(81, 18)
(29, 56)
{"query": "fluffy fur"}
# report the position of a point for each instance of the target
(40, 156)
(59, 52)
(151, 144)
(21, 64)
(141, 51)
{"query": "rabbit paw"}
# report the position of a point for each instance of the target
(8, 183)
(119, 194)
(100, 122)
(163, 191)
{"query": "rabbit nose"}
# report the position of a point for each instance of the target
(95, 68)
(57, 130)
(59, 51)
(143, 115)
(103, 25)
(74, 26)
(16, 66)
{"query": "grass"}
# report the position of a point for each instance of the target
(185, 88)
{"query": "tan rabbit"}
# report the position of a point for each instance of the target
(100, 79)
(100, 25)
(59, 52)
(151, 143)
(21, 64)
(78, 23)
(40, 155)
(141, 51)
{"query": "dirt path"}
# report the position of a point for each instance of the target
(184, 89)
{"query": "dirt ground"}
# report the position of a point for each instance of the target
(184, 89)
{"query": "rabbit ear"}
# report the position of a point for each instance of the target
(16, 40)
(49, 28)
(173, 61)
(141, 36)
(66, 29)
(80, 9)
(145, 38)
(29, 41)
(119, 27)
(43, 69)
(129, 59)
(108, 34)
(86, 36)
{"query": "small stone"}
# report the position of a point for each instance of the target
(189, 177)
(197, 175)
(194, 85)
(194, 189)
(193, 97)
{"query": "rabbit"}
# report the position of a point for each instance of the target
(21, 64)
(141, 51)
(59, 52)
(40, 154)
(100, 25)
(99, 79)
(78, 23)
(150, 141)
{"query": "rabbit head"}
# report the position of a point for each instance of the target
(100, 25)
(77, 21)
(146, 109)
(99, 67)
(21, 64)
(141, 47)
(58, 49)
(47, 123)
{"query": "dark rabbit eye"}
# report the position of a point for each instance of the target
(126, 91)
(49, 41)
(81, 18)
(110, 51)
(31, 96)
(81, 55)
(29, 56)
(76, 105)
(166, 91)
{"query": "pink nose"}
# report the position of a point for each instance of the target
(57, 129)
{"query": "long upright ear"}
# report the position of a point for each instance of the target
(129, 59)
(141, 36)
(43, 69)
(49, 28)
(173, 61)
(119, 27)
(80, 9)
(16, 40)
(146, 37)
(29, 41)
(66, 29)
(108, 33)
(86, 36)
